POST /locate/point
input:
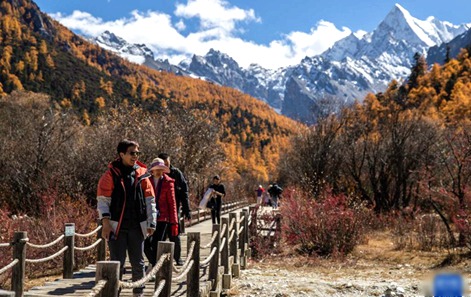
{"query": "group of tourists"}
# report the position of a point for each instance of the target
(270, 197)
(141, 205)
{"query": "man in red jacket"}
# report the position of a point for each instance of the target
(126, 207)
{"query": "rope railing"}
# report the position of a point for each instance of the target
(223, 230)
(97, 288)
(241, 230)
(159, 288)
(183, 274)
(43, 246)
(7, 244)
(47, 258)
(89, 234)
(86, 248)
(142, 281)
(223, 242)
(207, 246)
(208, 259)
(11, 265)
(231, 225)
(231, 237)
(188, 258)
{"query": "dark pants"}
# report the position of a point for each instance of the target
(130, 240)
(150, 246)
(177, 251)
(216, 211)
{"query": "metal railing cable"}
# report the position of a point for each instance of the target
(43, 246)
(13, 263)
(97, 288)
(207, 246)
(206, 261)
(5, 244)
(159, 288)
(89, 234)
(47, 258)
(183, 274)
(86, 248)
(188, 258)
(145, 279)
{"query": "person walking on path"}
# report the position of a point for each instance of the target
(183, 205)
(259, 191)
(218, 193)
(167, 222)
(126, 207)
(275, 192)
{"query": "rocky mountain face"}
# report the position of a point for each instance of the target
(438, 53)
(346, 72)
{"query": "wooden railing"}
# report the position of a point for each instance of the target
(229, 249)
(20, 241)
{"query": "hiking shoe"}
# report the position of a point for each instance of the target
(180, 262)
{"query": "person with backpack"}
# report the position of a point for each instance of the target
(183, 204)
(127, 209)
(275, 192)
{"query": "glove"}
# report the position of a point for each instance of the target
(174, 230)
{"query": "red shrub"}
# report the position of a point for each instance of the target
(44, 230)
(322, 228)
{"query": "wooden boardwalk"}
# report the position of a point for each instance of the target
(84, 280)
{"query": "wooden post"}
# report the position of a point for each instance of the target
(243, 214)
(198, 216)
(18, 271)
(227, 277)
(225, 248)
(246, 228)
(108, 270)
(214, 263)
(164, 247)
(69, 241)
(235, 239)
(253, 221)
(193, 276)
(101, 249)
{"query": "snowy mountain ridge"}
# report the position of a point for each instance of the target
(347, 71)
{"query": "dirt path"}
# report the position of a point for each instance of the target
(370, 270)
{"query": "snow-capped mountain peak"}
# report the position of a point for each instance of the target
(133, 52)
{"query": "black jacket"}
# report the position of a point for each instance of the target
(181, 190)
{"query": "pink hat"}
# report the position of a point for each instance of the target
(158, 163)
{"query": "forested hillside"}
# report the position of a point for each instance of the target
(40, 55)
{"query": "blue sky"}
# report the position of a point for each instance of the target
(272, 33)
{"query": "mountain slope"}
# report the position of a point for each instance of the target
(438, 53)
(40, 55)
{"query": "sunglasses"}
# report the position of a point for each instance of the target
(134, 154)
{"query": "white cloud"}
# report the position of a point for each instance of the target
(219, 28)
(215, 14)
(180, 25)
